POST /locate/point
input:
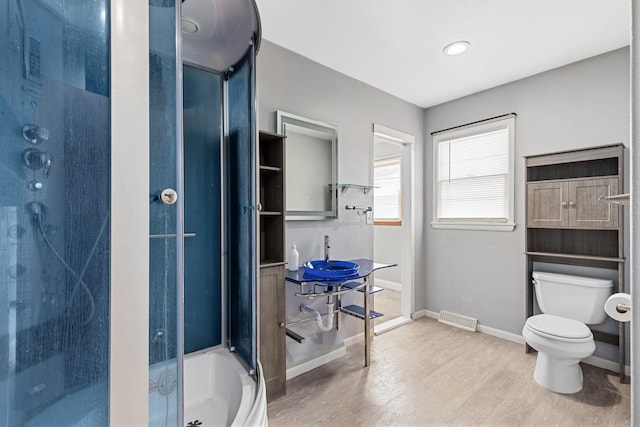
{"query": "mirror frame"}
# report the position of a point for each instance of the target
(284, 119)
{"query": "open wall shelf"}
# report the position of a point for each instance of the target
(364, 188)
(271, 188)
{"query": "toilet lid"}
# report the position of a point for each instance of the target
(559, 327)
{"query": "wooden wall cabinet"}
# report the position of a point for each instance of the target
(272, 330)
(570, 222)
(572, 203)
(271, 307)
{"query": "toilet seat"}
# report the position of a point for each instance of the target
(559, 328)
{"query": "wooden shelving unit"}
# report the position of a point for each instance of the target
(271, 347)
(570, 220)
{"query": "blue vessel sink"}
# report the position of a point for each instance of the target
(331, 270)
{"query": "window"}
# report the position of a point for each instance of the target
(387, 199)
(473, 176)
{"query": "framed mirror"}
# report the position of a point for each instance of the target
(311, 167)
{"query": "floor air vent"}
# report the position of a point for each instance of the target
(458, 320)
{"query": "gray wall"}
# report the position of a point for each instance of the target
(387, 242)
(475, 273)
(481, 273)
(289, 82)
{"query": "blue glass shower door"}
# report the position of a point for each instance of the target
(241, 210)
(165, 218)
(54, 212)
(202, 123)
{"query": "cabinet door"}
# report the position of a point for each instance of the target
(547, 204)
(587, 209)
(272, 349)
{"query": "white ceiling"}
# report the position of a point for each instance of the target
(396, 45)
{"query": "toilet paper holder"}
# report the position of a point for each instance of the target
(618, 307)
(623, 308)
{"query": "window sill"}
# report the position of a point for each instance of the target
(474, 226)
(392, 222)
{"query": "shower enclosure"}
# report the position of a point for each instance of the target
(54, 209)
(120, 249)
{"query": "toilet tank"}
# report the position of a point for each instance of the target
(574, 297)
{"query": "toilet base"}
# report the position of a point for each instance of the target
(558, 375)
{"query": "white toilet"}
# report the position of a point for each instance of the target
(561, 335)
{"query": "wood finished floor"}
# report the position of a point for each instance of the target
(429, 374)
(388, 303)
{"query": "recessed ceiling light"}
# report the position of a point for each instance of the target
(456, 48)
(189, 26)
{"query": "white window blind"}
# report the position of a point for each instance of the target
(474, 181)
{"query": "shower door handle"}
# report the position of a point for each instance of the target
(169, 196)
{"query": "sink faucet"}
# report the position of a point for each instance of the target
(327, 246)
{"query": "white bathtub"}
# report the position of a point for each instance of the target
(218, 391)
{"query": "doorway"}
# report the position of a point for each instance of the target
(393, 225)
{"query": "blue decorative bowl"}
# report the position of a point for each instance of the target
(331, 270)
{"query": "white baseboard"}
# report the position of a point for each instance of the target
(420, 313)
(509, 336)
(354, 339)
(387, 284)
(314, 363)
(390, 325)
(426, 313)
(609, 365)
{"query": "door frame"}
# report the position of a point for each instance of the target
(407, 249)
(129, 295)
